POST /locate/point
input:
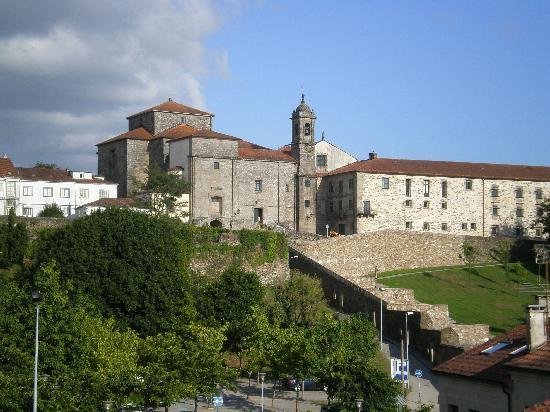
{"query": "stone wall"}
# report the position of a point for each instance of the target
(137, 162)
(111, 164)
(198, 122)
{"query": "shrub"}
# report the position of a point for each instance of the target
(51, 211)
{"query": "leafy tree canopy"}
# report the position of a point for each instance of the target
(544, 218)
(51, 211)
(45, 165)
(14, 240)
(129, 263)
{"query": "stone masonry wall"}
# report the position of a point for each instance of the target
(137, 161)
(111, 164)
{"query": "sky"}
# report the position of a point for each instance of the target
(435, 80)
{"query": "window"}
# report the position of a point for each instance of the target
(408, 202)
(443, 205)
(322, 160)
(519, 231)
(519, 212)
(426, 188)
(258, 185)
(538, 194)
(27, 211)
(408, 187)
(540, 212)
(84, 193)
(307, 129)
(65, 192)
(494, 230)
(47, 192)
(350, 204)
(494, 191)
(306, 203)
(216, 165)
(425, 226)
(385, 183)
(10, 189)
(519, 193)
(408, 225)
(469, 184)
(473, 226)
(350, 184)
(538, 232)
(426, 204)
(307, 182)
(340, 186)
(340, 205)
(464, 226)
(103, 193)
(444, 227)
(331, 206)
(366, 207)
(27, 190)
(444, 188)
(330, 187)
(495, 210)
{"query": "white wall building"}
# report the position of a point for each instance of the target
(29, 190)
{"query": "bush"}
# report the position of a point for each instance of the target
(273, 244)
(14, 241)
(51, 211)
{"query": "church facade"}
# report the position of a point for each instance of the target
(314, 186)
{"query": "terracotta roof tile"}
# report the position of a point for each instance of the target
(184, 132)
(538, 359)
(448, 169)
(137, 134)
(173, 107)
(487, 367)
(249, 150)
(113, 201)
(539, 407)
(6, 167)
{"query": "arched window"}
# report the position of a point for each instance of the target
(307, 129)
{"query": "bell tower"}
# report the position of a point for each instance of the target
(303, 150)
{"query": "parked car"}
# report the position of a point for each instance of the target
(309, 384)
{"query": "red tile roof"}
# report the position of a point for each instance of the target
(6, 167)
(539, 407)
(114, 201)
(448, 169)
(173, 107)
(536, 360)
(487, 367)
(183, 131)
(137, 134)
(249, 150)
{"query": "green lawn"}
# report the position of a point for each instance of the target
(487, 295)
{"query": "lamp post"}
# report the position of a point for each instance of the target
(297, 389)
(262, 378)
(381, 314)
(359, 403)
(36, 298)
(407, 336)
(326, 227)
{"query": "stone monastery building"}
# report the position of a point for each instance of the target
(309, 185)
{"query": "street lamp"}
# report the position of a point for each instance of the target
(36, 298)
(359, 403)
(297, 389)
(326, 227)
(407, 332)
(262, 378)
(381, 319)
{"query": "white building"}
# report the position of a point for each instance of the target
(29, 190)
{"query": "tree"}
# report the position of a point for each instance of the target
(543, 219)
(45, 165)
(129, 263)
(502, 253)
(343, 362)
(15, 240)
(297, 301)
(469, 256)
(51, 211)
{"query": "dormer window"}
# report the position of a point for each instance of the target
(307, 129)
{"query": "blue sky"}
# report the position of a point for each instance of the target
(446, 80)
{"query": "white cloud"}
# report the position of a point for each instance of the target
(73, 70)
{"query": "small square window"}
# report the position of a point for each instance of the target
(306, 203)
(27, 211)
(426, 204)
(444, 188)
(408, 225)
(519, 212)
(65, 192)
(103, 193)
(444, 227)
(47, 192)
(84, 193)
(473, 226)
(322, 160)
(27, 190)
(538, 194)
(464, 226)
(307, 182)
(538, 232)
(495, 210)
(366, 207)
(443, 205)
(408, 203)
(216, 165)
(258, 185)
(385, 183)
(494, 230)
(494, 191)
(426, 226)
(469, 184)
(519, 193)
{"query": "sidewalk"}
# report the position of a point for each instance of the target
(285, 401)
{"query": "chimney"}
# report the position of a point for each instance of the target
(373, 155)
(536, 326)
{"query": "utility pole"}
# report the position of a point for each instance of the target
(402, 367)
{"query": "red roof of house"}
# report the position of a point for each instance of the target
(137, 134)
(249, 150)
(6, 167)
(447, 169)
(494, 366)
(183, 131)
(539, 407)
(113, 201)
(173, 107)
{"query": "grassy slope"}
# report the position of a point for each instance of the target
(485, 296)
